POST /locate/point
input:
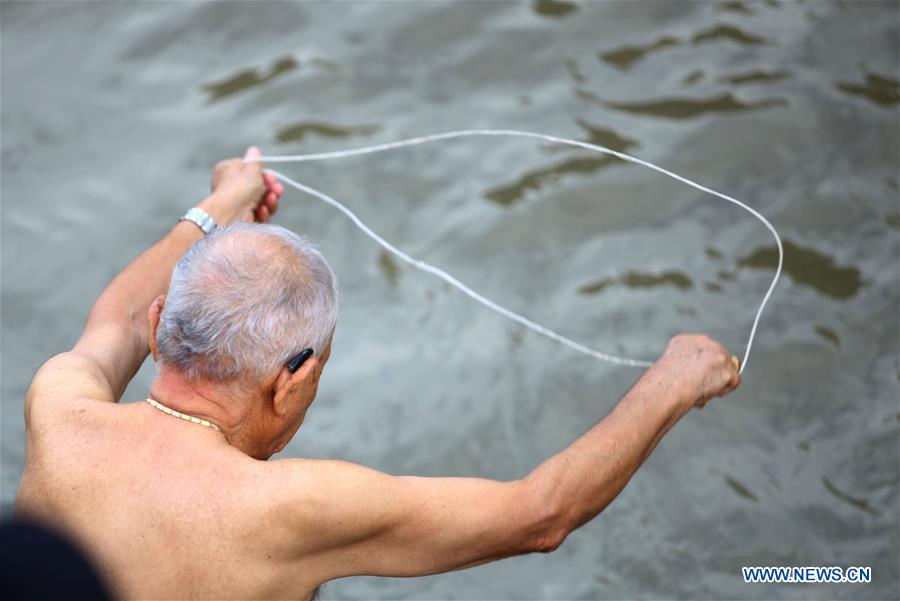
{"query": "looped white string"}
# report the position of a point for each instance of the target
(427, 267)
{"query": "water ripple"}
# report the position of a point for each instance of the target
(857, 502)
(809, 267)
(638, 279)
(754, 77)
(298, 131)
(729, 33)
(625, 56)
(553, 8)
(510, 194)
(686, 108)
(248, 78)
(877, 88)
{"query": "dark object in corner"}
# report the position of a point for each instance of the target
(36, 563)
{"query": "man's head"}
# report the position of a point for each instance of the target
(242, 302)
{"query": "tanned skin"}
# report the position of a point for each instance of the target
(170, 509)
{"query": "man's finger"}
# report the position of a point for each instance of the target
(250, 157)
(733, 384)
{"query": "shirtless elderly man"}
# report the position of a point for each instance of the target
(241, 330)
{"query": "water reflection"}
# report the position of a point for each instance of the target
(858, 502)
(553, 8)
(728, 276)
(298, 131)
(754, 77)
(248, 78)
(893, 221)
(829, 335)
(730, 33)
(686, 108)
(692, 77)
(627, 55)
(389, 268)
(637, 279)
(512, 193)
(740, 489)
(713, 252)
(809, 267)
(735, 7)
(572, 67)
(879, 89)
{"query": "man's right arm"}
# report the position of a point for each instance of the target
(586, 477)
(363, 522)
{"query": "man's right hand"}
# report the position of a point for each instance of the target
(242, 191)
(700, 366)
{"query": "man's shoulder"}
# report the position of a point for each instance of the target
(291, 478)
(305, 475)
(308, 487)
(64, 381)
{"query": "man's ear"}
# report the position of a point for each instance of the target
(287, 384)
(153, 314)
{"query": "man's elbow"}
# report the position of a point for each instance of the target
(549, 523)
(549, 538)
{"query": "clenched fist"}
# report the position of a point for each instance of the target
(700, 366)
(242, 192)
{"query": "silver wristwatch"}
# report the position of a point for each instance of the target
(201, 218)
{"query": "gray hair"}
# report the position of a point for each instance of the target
(243, 301)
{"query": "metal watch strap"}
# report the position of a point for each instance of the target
(200, 218)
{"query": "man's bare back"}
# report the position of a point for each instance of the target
(169, 508)
(163, 507)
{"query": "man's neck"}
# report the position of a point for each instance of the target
(204, 400)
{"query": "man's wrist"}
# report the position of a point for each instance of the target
(667, 389)
(217, 208)
(201, 219)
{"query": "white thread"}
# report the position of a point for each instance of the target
(419, 264)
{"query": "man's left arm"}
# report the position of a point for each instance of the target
(115, 343)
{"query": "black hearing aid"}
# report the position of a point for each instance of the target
(299, 359)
